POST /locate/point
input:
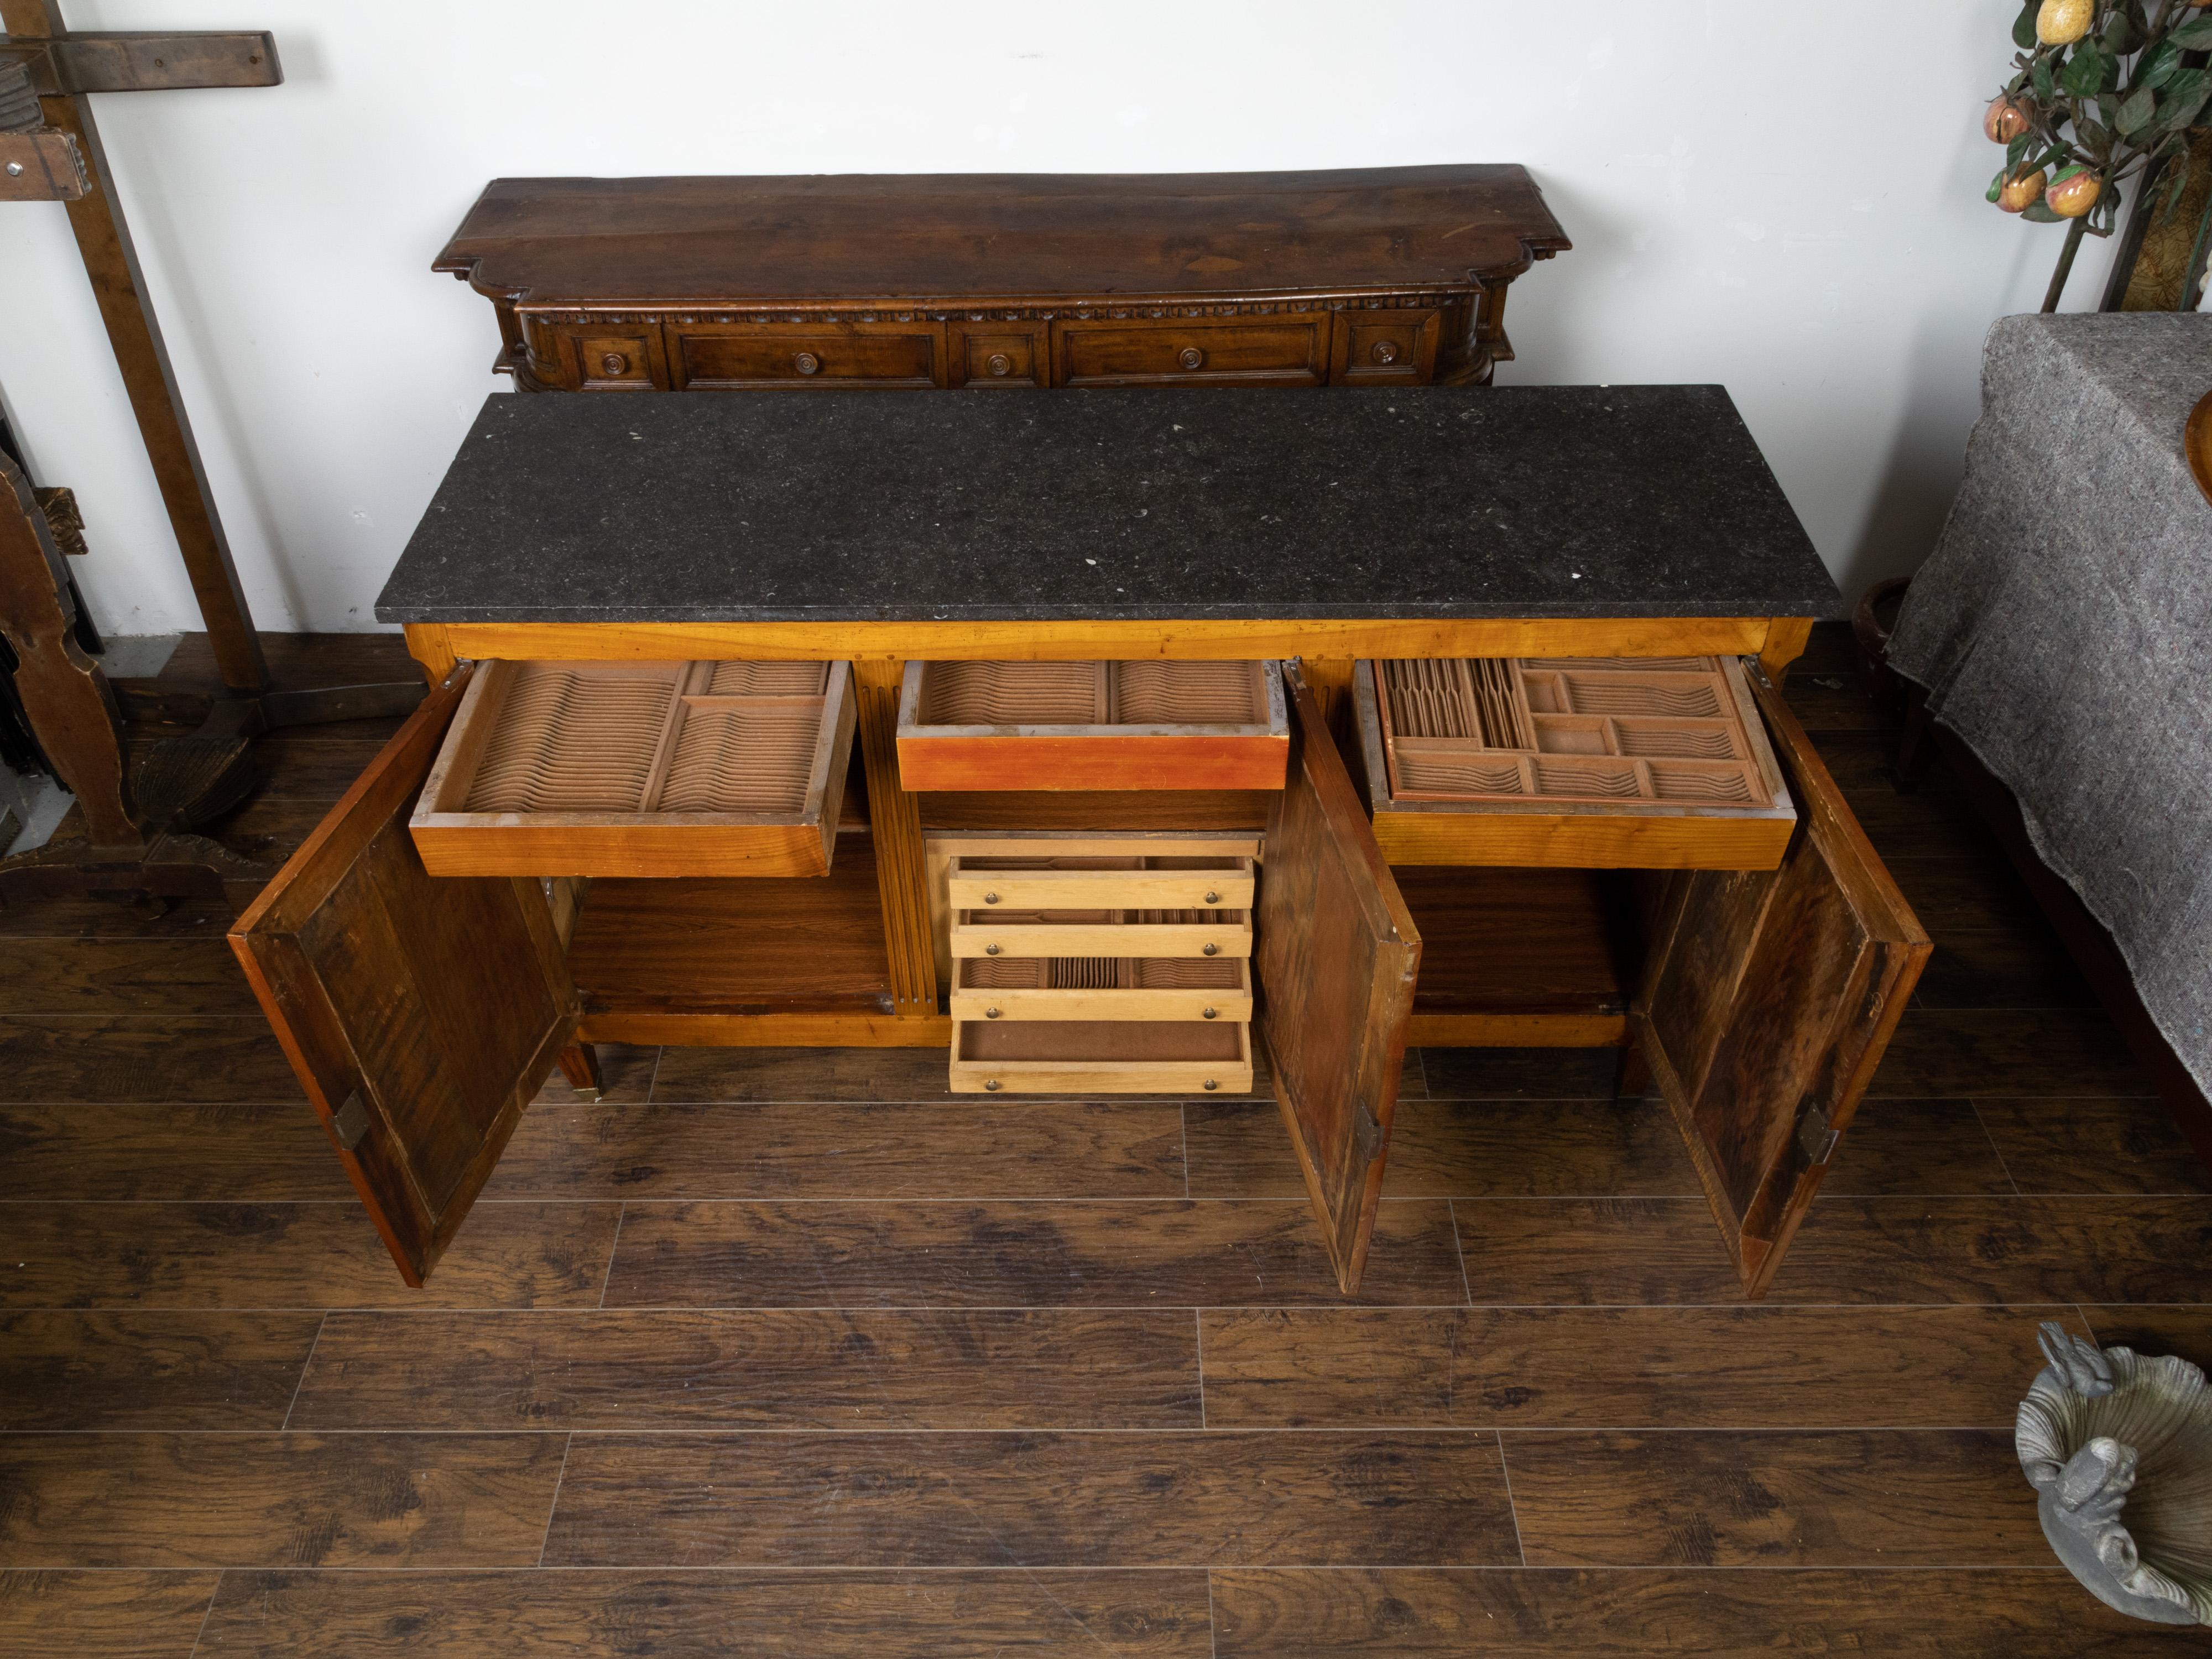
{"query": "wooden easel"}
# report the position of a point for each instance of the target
(139, 843)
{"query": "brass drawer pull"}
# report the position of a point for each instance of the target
(1212, 950)
(991, 1084)
(1213, 898)
(614, 363)
(992, 949)
(1213, 1083)
(807, 362)
(998, 363)
(1385, 351)
(1191, 357)
(990, 1014)
(1211, 1013)
(990, 898)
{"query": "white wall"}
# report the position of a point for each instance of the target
(1782, 197)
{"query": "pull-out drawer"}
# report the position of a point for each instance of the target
(1149, 725)
(1103, 987)
(1286, 349)
(641, 769)
(1082, 1057)
(1590, 763)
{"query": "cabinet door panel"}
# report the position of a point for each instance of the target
(1769, 997)
(1336, 952)
(420, 1013)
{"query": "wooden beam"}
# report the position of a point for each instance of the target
(1070, 639)
(143, 60)
(41, 166)
(119, 285)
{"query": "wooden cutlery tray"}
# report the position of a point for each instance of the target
(1591, 762)
(1145, 724)
(641, 769)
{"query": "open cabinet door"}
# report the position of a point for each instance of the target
(1768, 999)
(1336, 954)
(421, 1012)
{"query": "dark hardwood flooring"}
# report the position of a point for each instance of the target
(784, 1352)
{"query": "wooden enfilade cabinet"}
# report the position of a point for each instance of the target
(1376, 277)
(1137, 741)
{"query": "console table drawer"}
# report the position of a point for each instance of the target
(1102, 932)
(1149, 725)
(1280, 351)
(1586, 762)
(750, 356)
(1103, 987)
(1152, 882)
(641, 769)
(1082, 1057)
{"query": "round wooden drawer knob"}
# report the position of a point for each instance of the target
(1385, 351)
(806, 363)
(614, 363)
(998, 363)
(1213, 949)
(1191, 357)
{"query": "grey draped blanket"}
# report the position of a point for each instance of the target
(2063, 630)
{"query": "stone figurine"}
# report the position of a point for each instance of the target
(2107, 1431)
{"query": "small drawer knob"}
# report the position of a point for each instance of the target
(1213, 1083)
(990, 949)
(614, 363)
(998, 363)
(1385, 351)
(990, 898)
(1191, 357)
(1213, 898)
(1212, 950)
(1211, 1012)
(990, 1014)
(991, 1084)
(806, 363)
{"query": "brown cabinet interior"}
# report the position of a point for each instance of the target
(1760, 998)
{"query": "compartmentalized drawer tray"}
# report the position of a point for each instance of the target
(641, 769)
(1588, 762)
(1080, 1057)
(1148, 725)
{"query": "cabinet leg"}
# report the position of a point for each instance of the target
(1632, 1077)
(894, 822)
(580, 1064)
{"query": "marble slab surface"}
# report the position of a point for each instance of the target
(1648, 501)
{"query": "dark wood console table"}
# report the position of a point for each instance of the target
(1370, 277)
(779, 563)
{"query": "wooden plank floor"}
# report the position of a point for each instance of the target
(785, 1352)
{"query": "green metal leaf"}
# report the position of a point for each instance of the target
(2084, 72)
(2023, 27)
(2159, 65)
(2136, 110)
(2193, 36)
(2036, 213)
(2046, 88)
(2118, 39)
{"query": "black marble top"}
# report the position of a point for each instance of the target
(1647, 500)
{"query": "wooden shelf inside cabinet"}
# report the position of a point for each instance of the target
(1093, 726)
(641, 769)
(1583, 762)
